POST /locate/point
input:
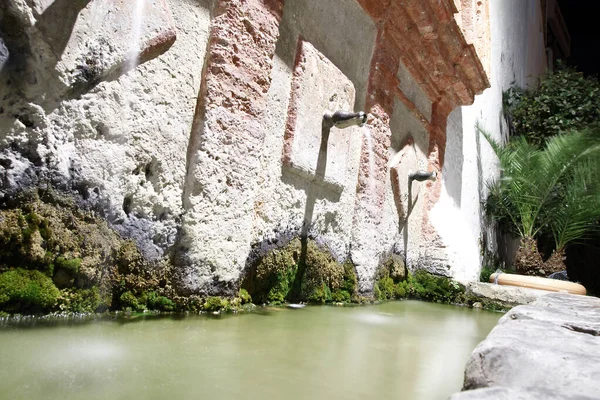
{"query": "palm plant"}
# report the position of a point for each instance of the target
(546, 189)
(575, 212)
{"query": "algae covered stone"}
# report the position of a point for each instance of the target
(215, 303)
(80, 254)
(27, 291)
(390, 279)
(302, 270)
(395, 282)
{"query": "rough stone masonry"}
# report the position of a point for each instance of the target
(549, 349)
(178, 137)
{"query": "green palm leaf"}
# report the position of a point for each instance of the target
(545, 188)
(577, 209)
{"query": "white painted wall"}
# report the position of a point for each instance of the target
(517, 58)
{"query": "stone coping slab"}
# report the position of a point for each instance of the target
(550, 346)
(505, 393)
(507, 296)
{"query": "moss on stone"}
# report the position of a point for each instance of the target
(216, 304)
(322, 275)
(27, 291)
(80, 300)
(132, 273)
(486, 272)
(394, 282)
(294, 273)
(347, 292)
(390, 279)
(436, 288)
(394, 267)
(158, 303)
(402, 289)
(384, 289)
(45, 231)
(70, 265)
(191, 303)
(244, 296)
(129, 302)
(94, 267)
(271, 278)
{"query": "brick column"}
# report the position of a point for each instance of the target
(372, 174)
(225, 144)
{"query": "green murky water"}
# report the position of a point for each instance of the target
(397, 350)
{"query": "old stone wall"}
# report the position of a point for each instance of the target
(76, 109)
(199, 134)
(517, 57)
(547, 349)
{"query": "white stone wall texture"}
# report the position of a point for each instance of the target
(517, 58)
(82, 114)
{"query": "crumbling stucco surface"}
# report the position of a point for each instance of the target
(123, 143)
(517, 58)
(210, 144)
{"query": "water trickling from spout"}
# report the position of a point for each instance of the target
(367, 134)
(136, 34)
(130, 78)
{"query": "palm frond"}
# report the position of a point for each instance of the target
(519, 181)
(545, 188)
(576, 214)
(562, 154)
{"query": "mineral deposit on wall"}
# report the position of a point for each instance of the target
(195, 127)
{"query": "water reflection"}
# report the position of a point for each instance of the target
(408, 350)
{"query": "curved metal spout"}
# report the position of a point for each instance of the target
(343, 119)
(421, 176)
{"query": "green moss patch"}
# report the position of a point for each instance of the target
(214, 304)
(91, 264)
(393, 281)
(80, 300)
(244, 296)
(426, 286)
(27, 291)
(300, 272)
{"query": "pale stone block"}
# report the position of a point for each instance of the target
(319, 87)
(100, 39)
(552, 345)
(405, 162)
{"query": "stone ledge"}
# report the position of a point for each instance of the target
(507, 296)
(505, 393)
(552, 345)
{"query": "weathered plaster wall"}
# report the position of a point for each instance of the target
(344, 36)
(422, 60)
(226, 142)
(517, 58)
(212, 146)
(410, 143)
(119, 138)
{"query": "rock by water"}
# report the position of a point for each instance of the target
(548, 349)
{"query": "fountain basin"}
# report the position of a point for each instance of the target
(391, 350)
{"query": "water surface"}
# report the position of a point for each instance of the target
(397, 350)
